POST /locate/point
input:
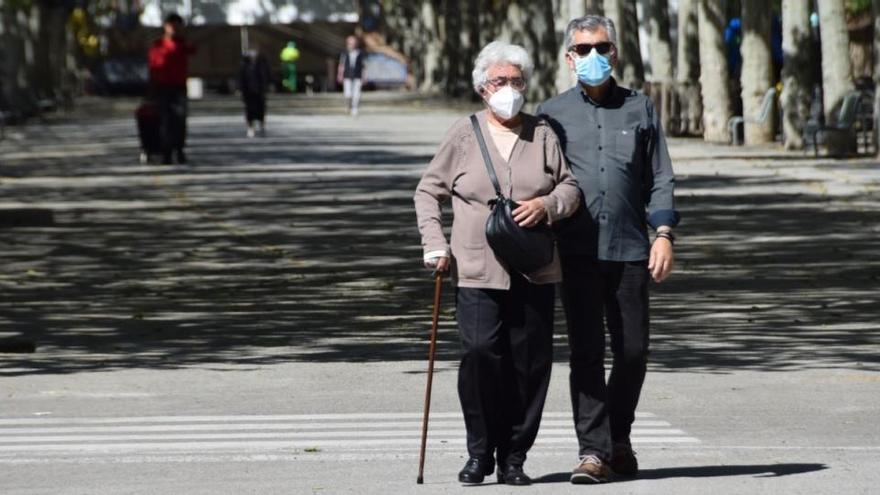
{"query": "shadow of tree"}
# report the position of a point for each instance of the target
(303, 247)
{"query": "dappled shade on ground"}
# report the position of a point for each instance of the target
(303, 247)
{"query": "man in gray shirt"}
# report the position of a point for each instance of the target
(612, 139)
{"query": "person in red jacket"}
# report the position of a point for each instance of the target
(168, 60)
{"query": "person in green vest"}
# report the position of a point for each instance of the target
(289, 56)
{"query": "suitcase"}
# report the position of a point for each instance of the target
(148, 124)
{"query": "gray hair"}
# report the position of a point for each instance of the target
(501, 53)
(590, 23)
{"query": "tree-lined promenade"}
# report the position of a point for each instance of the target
(704, 62)
(258, 317)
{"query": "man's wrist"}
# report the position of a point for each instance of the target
(666, 234)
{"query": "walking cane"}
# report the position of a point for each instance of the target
(438, 283)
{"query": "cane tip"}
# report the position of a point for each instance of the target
(420, 480)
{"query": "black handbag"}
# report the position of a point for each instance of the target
(522, 249)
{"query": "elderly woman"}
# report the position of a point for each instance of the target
(505, 318)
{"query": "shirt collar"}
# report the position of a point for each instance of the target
(615, 94)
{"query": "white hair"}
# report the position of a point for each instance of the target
(501, 53)
(590, 23)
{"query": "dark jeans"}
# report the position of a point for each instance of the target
(616, 292)
(172, 105)
(254, 106)
(507, 339)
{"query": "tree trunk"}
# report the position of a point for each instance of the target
(715, 88)
(687, 74)
(660, 58)
(594, 7)
(630, 70)
(836, 70)
(795, 96)
(659, 44)
(877, 77)
(564, 12)
(430, 63)
(757, 73)
(531, 25)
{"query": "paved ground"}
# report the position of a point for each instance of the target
(255, 321)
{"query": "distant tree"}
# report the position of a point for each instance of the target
(531, 24)
(757, 70)
(796, 83)
(714, 82)
(564, 12)
(660, 60)
(630, 70)
(836, 70)
(441, 38)
(876, 5)
(687, 72)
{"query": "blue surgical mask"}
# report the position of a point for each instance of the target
(594, 69)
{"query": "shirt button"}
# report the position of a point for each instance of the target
(602, 169)
(600, 148)
(603, 193)
(600, 126)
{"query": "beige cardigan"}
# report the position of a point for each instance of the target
(536, 169)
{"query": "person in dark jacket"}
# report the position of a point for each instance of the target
(169, 62)
(612, 139)
(253, 82)
(351, 73)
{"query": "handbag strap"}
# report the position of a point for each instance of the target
(487, 159)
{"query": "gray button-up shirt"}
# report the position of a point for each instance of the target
(617, 152)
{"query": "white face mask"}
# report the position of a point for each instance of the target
(506, 102)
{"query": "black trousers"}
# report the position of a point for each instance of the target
(507, 339)
(172, 104)
(254, 106)
(595, 295)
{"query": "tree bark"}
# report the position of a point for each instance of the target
(659, 63)
(715, 88)
(687, 74)
(659, 44)
(630, 69)
(757, 74)
(796, 82)
(594, 7)
(564, 12)
(877, 77)
(836, 70)
(531, 25)
(430, 63)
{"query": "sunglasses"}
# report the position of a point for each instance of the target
(583, 49)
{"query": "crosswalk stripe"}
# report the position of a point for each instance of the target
(18, 430)
(268, 444)
(270, 417)
(333, 433)
(353, 435)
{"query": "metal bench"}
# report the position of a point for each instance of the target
(736, 124)
(846, 119)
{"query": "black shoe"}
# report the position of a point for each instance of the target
(513, 475)
(166, 159)
(181, 157)
(623, 460)
(475, 471)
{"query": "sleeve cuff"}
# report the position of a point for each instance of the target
(439, 253)
(664, 217)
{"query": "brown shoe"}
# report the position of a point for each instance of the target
(590, 470)
(623, 460)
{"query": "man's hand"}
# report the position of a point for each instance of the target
(661, 260)
(440, 264)
(529, 213)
